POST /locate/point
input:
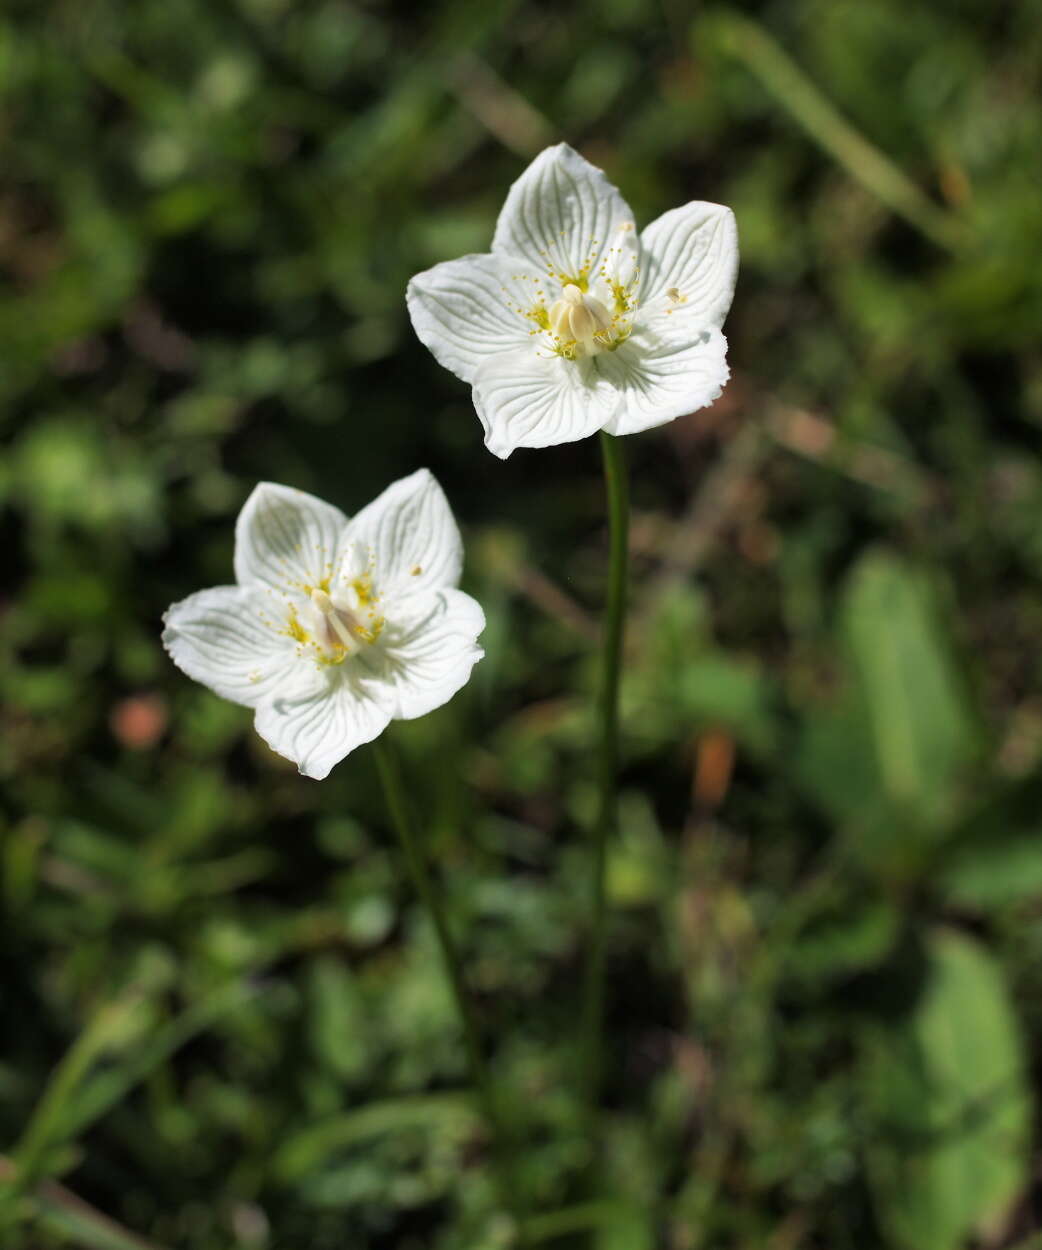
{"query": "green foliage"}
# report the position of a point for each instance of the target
(893, 757)
(922, 741)
(950, 1087)
(226, 1026)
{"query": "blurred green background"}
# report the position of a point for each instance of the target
(223, 1018)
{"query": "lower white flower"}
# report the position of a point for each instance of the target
(575, 323)
(335, 627)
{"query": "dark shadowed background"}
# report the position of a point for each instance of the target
(223, 1018)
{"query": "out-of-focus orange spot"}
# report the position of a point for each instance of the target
(759, 543)
(955, 185)
(805, 433)
(714, 764)
(139, 721)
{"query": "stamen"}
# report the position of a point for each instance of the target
(337, 624)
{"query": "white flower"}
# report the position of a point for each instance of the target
(336, 627)
(573, 323)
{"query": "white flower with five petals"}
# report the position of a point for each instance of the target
(335, 627)
(574, 323)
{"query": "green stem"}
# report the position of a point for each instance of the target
(608, 759)
(401, 817)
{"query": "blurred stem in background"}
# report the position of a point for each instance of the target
(402, 819)
(763, 56)
(607, 812)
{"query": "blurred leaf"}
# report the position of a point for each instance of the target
(949, 1092)
(103, 1091)
(998, 874)
(338, 1030)
(922, 738)
(67, 1216)
(311, 1149)
(686, 682)
(632, 1229)
(853, 934)
(113, 1026)
(614, 1225)
(835, 761)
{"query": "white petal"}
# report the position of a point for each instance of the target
(410, 536)
(468, 309)
(563, 215)
(286, 538)
(690, 265)
(428, 653)
(528, 399)
(660, 379)
(317, 729)
(234, 640)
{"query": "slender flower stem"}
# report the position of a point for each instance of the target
(608, 757)
(402, 818)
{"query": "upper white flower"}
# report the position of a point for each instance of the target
(336, 627)
(575, 323)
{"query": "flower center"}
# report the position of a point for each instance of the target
(338, 627)
(340, 623)
(581, 319)
(596, 306)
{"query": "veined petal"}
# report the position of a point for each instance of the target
(232, 640)
(563, 215)
(690, 265)
(411, 537)
(428, 653)
(466, 310)
(527, 399)
(286, 538)
(317, 728)
(659, 379)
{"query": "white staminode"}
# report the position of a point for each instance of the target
(582, 321)
(335, 627)
(574, 322)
